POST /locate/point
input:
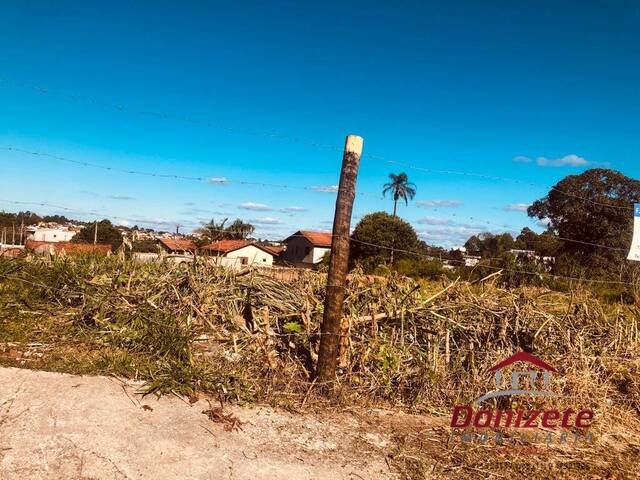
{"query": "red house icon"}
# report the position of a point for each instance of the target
(516, 376)
(522, 357)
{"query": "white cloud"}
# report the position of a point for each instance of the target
(124, 223)
(325, 188)
(568, 160)
(517, 207)
(435, 221)
(293, 209)
(265, 221)
(255, 206)
(571, 160)
(543, 222)
(218, 180)
(439, 203)
(120, 197)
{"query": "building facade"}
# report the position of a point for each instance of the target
(239, 253)
(306, 247)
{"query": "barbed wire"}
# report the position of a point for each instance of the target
(293, 139)
(212, 180)
(204, 225)
(496, 178)
(121, 107)
(431, 257)
(519, 228)
(223, 180)
(491, 267)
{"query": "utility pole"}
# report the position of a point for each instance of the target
(13, 234)
(95, 234)
(339, 263)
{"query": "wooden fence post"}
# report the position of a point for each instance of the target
(339, 262)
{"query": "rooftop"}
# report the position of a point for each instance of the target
(317, 239)
(175, 244)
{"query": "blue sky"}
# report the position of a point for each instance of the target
(526, 90)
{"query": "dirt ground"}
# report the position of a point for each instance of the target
(59, 426)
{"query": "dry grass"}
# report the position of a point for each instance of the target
(254, 338)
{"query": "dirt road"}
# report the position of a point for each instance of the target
(58, 426)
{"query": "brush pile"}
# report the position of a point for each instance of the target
(250, 336)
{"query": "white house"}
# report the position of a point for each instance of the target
(237, 253)
(42, 234)
(306, 247)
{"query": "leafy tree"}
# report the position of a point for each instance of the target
(545, 244)
(489, 245)
(145, 246)
(107, 233)
(595, 206)
(213, 232)
(239, 229)
(401, 188)
(419, 268)
(380, 228)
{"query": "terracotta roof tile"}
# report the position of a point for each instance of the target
(226, 245)
(175, 244)
(275, 249)
(317, 239)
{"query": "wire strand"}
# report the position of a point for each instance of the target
(214, 180)
(120, 107)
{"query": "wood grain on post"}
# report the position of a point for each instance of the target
(339, 262)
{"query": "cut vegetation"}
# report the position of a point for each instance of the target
(421, 348)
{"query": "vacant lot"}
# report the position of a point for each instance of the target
(252, 340)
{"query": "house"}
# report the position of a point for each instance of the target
(241, 252)
(471, 260)
(306, 247)
(50, 234)
(175, 246)
(531, 255)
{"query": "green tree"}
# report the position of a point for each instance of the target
(107, 233)
(239, 230)
(545, 244)
(401, 188)
(380, 228)
(212, 231)
(489, 245)
(145, 246)
(595, 206)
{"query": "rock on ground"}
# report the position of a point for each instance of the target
(58, 426)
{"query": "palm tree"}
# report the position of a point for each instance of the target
(212, 231)
(240, 230)
(401, 188)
